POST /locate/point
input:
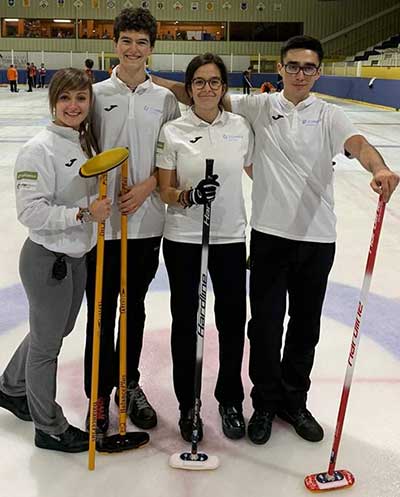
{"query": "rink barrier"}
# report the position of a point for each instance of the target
(383, 91)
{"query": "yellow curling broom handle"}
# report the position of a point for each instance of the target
(96, 328)
(122, 308)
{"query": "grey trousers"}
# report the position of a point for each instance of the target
(53, 309)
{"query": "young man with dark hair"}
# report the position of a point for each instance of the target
(293, 231)
(129, 110)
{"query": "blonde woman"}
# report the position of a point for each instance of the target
(58, 207)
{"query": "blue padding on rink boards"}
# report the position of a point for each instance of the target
(384, 91)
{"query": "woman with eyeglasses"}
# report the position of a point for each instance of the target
(206, 131)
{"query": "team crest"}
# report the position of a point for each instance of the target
(209, 6)
(260, 6)
(110, 4)
(244, 6)
(160, 5)
(178, 6)
(195, 6)
(145, 5)
(78, 4)
(128, 4)
(227, 5)
(44, 4)
(11, 3)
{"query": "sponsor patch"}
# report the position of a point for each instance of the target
(232, 138)
(152, 110)
(311, 122)
(160, 145)
(32, 175)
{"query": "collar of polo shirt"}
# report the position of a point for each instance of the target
(142, 87)
(221, 118)
(287, 104)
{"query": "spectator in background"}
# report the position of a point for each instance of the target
(267, 87)
(34, 75)
(12, 77)
(246, 82)
(42, 75)
(29, 76)
(89, 69)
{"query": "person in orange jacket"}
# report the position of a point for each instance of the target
(12, 76)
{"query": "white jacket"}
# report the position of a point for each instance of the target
(49, 191)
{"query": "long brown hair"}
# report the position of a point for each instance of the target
(71, 79)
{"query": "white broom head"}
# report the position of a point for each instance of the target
(198, 462)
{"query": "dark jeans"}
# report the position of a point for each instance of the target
(227, 268)
(246, 89)
(281, 268)
(142, 266)
(13, 86)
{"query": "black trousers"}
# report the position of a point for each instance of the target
(13, 86)
(143, 257)
(282, 268)
(227, 268)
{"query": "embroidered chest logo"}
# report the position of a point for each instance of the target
(278, 116)
(196, 139)
(70, 163)
(108, 109)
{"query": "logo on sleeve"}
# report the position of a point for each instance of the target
(27, 180)
(160, 145)
(196, 139)
(108, 109)
(278, 116)
(70, 163)
(30, 175)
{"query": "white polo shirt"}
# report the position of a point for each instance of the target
(123, 118)
(292, 174)
(184, 145)
(49, 191)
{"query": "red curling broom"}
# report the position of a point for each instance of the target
(335, 479)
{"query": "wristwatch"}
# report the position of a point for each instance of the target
(84, 215)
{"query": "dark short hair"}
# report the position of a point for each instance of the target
(89, 63)
(305, 42)
(136, 20)
(202, 60)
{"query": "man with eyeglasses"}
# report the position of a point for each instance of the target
(293, 232)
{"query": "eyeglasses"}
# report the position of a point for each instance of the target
(308, 70)
(213, 83)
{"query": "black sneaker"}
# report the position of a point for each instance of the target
(304, 423)
(72, 440)
(260, 425)
(186, 426)
(232, 422)
(139, 410)
(103, 415)
(17, 405)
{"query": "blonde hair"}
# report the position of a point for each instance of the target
(71, 79)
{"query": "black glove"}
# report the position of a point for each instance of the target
(205, 191)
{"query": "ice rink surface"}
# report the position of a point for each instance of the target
(371, 441)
